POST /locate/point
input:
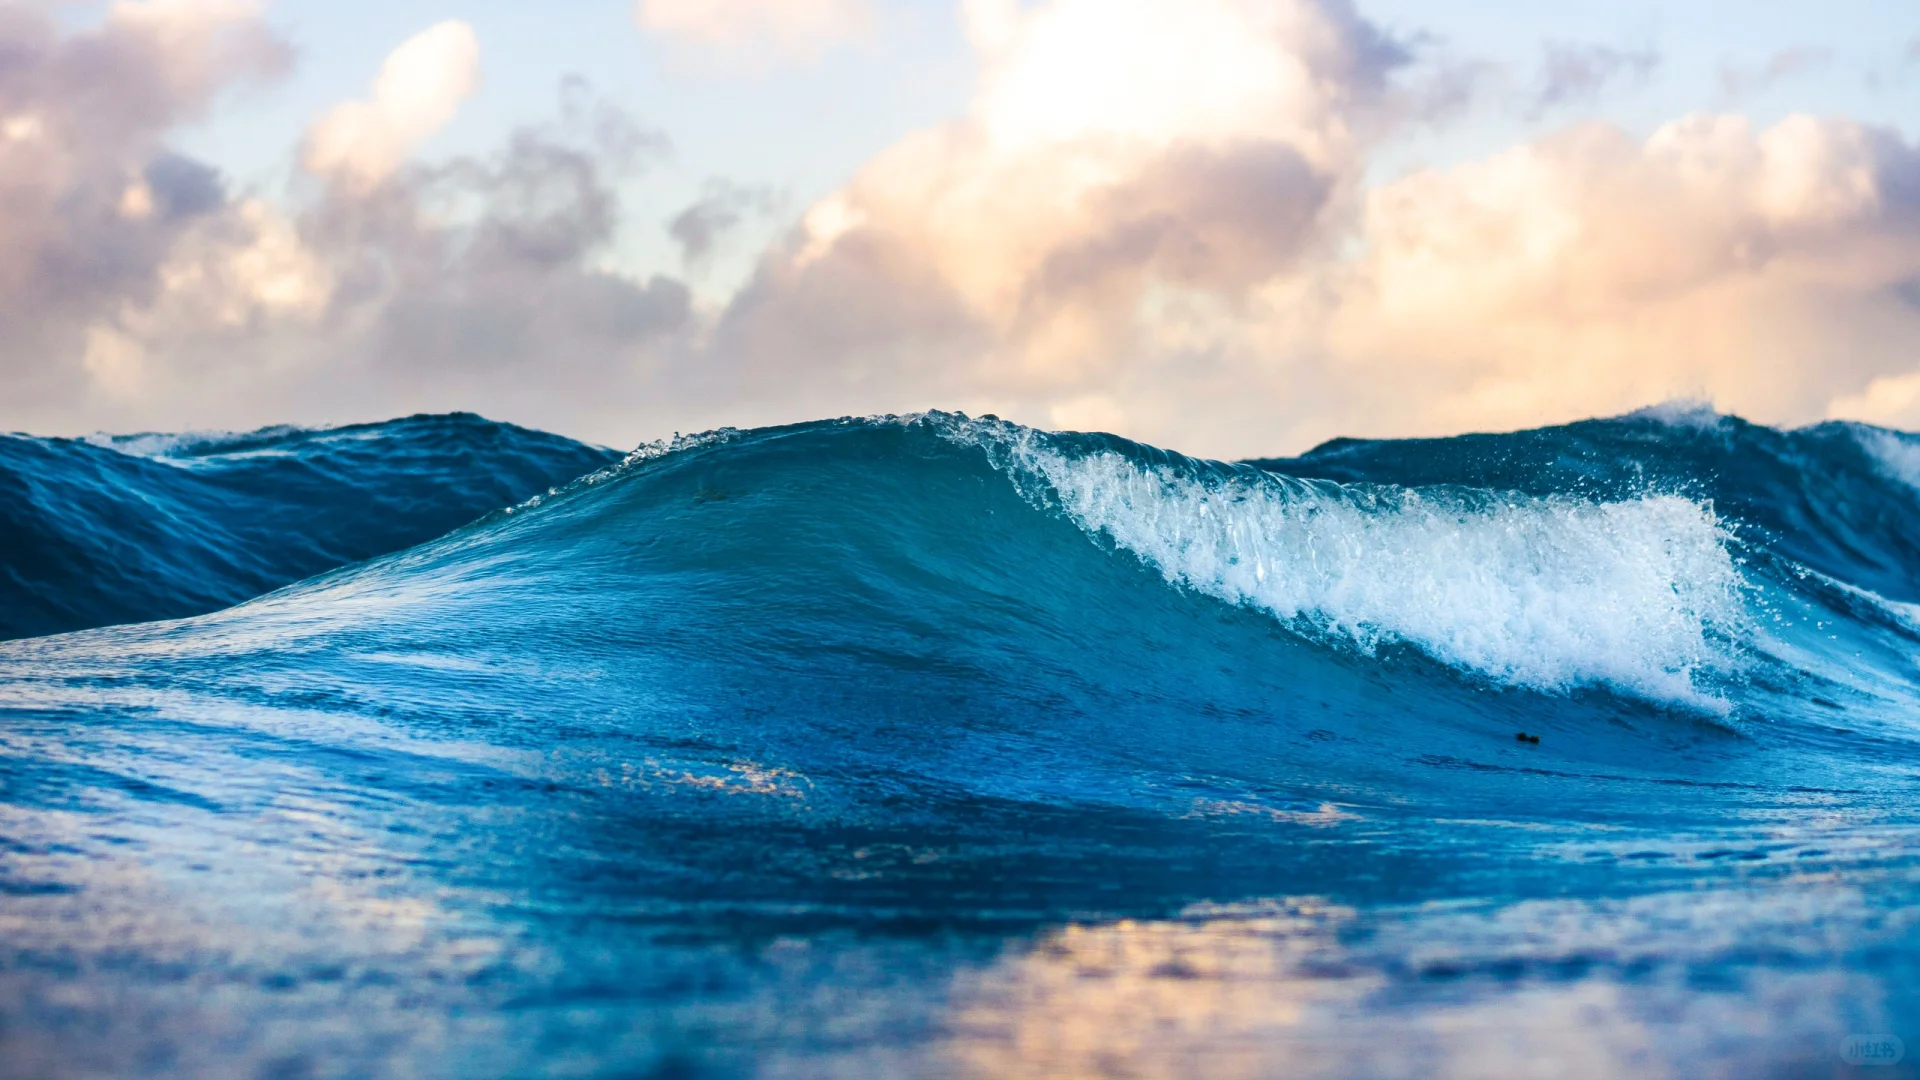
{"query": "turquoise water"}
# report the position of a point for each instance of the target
(933, 746)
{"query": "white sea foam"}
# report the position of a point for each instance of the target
(1896, 453)
(638, 456)
(156, 444)
(1692, 413)
(1552, 594)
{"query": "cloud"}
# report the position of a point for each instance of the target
(721, 207)
(1590, 272)
(1154, 217)
(1891, 400)
(418, 89)
(1576, 74)
(1740, 82)
(766, 30)
(472, 282)
(1122, 168)
(93, 201)
(1155, 220)
(162, 298)
(512, 284)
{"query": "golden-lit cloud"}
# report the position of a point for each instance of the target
(1126, 177)
(1890, 400)
(1161, 218)
(420, 86)
(1155, 218)
(1765, 269)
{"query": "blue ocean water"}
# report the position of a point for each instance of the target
(935, 746)
(139, 527)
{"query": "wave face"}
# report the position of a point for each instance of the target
(938, 746)
(1548, 592)
(1837, 497)
(118, 529)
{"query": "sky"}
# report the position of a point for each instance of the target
(1230, 227)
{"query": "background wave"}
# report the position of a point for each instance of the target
(117, 529)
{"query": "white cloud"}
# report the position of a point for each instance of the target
(1890, 400)
(764, 30)
(418, 90)
(1126, 173)
(1153, 219)
(94, 201)
(234, 272)
(187, 50)
(468, 283)
(160, 299)
(1589, 272)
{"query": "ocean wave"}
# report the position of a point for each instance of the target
(1555, 593)
(134, 528)
(930, 744)
(190, 444)
(1636, 554)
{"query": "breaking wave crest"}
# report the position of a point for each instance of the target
(1551, 593)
